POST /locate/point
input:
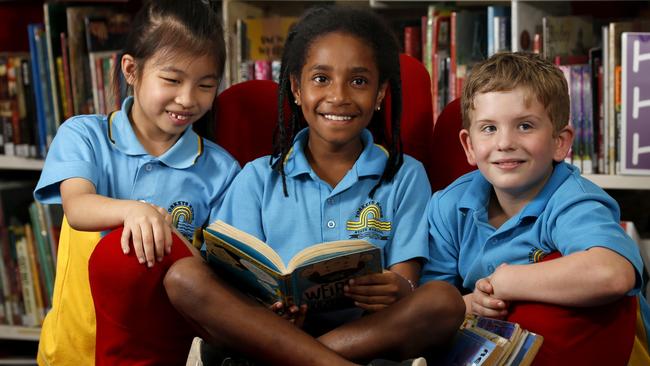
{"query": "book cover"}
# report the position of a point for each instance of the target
(527, 21)
(494, 13)
(40, 99)
(567, 36)
(55, 23)
(315, 276)
(613, 62)
(635, 98)
(106, 32)
(487, 341)
(265, 36)
(469, 348)
(78, 55)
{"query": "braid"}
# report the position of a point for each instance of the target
(395, 154)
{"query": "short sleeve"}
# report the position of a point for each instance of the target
(70, 155)
(409, 237)
(242, 204)
(217, 200)
(443, 248)
(594, 221)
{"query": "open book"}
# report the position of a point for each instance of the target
(315, 276)
(486, 341)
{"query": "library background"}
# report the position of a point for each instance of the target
(56, 57)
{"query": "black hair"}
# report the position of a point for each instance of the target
(373, 30)
(193, 26)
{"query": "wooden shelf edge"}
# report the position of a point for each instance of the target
(18, 163)
(19, 333)
(17, 361)
(620, 181)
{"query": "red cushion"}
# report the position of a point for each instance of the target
(448, 156)
(136, 323)
(600, 335)
(246, 116)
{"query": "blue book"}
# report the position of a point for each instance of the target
(35, 32)
(494, 11)
(314, 276)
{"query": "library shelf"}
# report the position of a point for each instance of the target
(19, 333)
(19, 163)
(605, 181)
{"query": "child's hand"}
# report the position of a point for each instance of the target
(484, 303)
(294, 314)
(149, 228)
(377, 291)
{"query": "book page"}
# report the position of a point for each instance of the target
(322, 251)
(248, 243)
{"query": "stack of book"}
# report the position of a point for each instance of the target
(487, 341)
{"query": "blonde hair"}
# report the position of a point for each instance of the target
(509, 70)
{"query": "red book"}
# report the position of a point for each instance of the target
(413, 42)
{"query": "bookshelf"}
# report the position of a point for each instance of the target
(398, 12)
(19, 333)
(613, 181)
(524, 15)
(20, 163)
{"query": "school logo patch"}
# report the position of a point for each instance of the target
(182, 217)
(536, 255)
(368, 223)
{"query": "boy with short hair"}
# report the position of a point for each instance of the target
(490, 229)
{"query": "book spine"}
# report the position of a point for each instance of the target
(38, 93)
(69, 111)
(27, 282)
(36, 270)
(51, 65)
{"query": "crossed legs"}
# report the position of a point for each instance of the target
(227, 318)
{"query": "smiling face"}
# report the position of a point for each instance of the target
(170, 93)
(338, 91)
(511, 139)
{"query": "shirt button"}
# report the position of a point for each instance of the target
(148, 167)
(331, 224)
(330, 200)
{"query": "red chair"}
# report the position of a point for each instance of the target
(448, 158)
(417, 112)
(246, 116)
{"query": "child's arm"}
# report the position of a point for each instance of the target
(377, 291)
(147, 225)
(586, 278)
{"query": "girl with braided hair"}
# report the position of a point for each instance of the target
(325, 181)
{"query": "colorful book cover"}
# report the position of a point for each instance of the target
(265, 37)
(616, 29)
(469, 348)
(314, 276)
(635, 100)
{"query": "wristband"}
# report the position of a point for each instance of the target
(410, 284)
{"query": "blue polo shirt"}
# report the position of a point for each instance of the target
(314, 211)
(189, 179)
(570, 214)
